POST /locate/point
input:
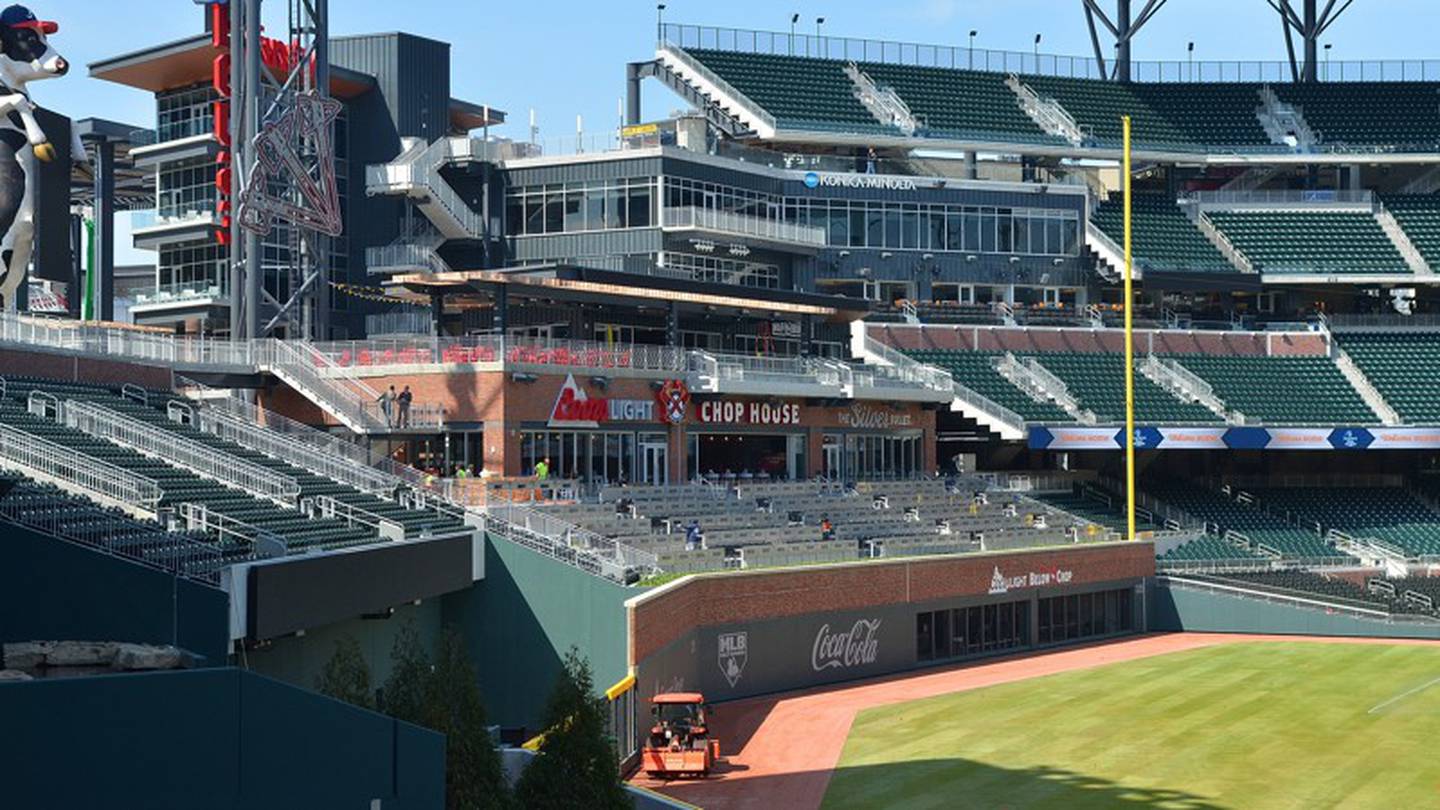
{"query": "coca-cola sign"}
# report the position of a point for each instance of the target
(842, 649)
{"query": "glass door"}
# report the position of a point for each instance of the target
(655, 467)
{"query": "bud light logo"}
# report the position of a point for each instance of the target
(812, 180)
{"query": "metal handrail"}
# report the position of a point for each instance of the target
(264, 543)
(234, 429)
(799, 43)
(352, 515)
(710, 219)
(180, 451)
(700, 68)
(345, 402)
(91, 474)
(612, 556)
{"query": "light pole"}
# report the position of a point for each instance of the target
(1190, 58)
(819, 21)
(794, 18)
(660, 22)
(1037, 53)
(973, 32)
(1327, 60)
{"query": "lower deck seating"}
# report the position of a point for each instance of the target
(1261, 530)
(1306, 582)
(1325, 242)
(780, 523)
(1210, 549)
(1282, 390)
(1385, 513)
(180, 485)
(46, 508)
(976, 370)
(1403, 366)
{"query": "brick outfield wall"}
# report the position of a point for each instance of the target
(72, 368)
(657, 620)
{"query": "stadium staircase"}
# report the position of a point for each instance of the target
(1418, 216)
(1047, 113)
(1414, 258)
(1284, 123)
(1186, 386)
(1363, 386)
(883, 102)
(416, 174)
(1221, 242)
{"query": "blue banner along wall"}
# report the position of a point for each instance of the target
(1062, 437)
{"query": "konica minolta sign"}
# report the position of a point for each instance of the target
(855, 180)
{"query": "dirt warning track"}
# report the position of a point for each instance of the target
(780, 750)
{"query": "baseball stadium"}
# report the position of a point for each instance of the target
(885, 424)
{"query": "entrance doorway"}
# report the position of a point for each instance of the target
(655, 463)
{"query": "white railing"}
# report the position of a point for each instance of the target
(1358, 198)
(785, 370)
(883, 102)
(1364, 387)
(278, 446)
(1182, 383)
(724, 222)
(180, 451)
(1046, 112)
(416, 173)
(402, 256)
(565, 540)
(908, 367)
(34, 454)
(199, 517)
(301, 364)
(692, 65)
(1054, 387)
(359, 355)
(325, 506)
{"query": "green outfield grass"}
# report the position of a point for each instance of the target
(1254, 726)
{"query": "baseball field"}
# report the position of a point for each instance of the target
(1270, 724)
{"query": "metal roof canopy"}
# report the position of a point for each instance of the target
(587, 285)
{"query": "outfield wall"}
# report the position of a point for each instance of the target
(208, 738)
(734, 635)
(54, 589)
(1180, 606)
(521, 619)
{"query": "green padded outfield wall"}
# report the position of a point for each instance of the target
(208, 738)
(55, 589)
(520, 620)
(1174, 607)
(301, 659)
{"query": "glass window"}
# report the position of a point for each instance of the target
(1053, 238)
(1005, 231)
(554, 210)
(1022, 234)
(891, 237)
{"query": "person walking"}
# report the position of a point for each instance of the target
(387, 404)
(405, 399)
(542, 469)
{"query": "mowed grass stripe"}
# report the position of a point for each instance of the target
(1257, 725)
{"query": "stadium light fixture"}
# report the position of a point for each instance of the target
(973, 32)
(1190, 59)
(794, 18)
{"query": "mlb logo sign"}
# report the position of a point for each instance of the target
(734, 649)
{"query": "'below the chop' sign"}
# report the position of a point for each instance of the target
(857, 646)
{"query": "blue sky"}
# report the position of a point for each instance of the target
(567, 57)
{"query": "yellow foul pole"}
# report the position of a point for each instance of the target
(1129, 349)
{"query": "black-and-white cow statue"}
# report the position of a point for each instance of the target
(25, 56)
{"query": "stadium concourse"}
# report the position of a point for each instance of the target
(820, 380)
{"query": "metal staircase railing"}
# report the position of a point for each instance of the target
(277, 446)
(33, 454)
(199, 517)
(416, 174)
(179, 451)
(299, 367)
(882, 102)
(325, 506)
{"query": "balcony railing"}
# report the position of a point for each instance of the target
(20, 449)
(725, 222)
(179, 451)
(783, 43)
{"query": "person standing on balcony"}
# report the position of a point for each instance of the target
(387, 402)
(405, 399)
